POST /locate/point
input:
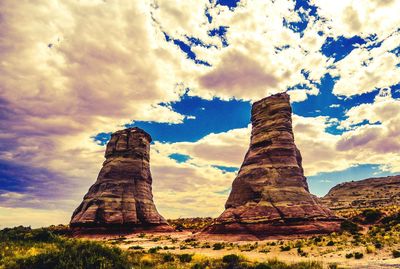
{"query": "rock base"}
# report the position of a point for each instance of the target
(118, 230)
(270, 230)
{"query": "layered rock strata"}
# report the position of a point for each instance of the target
(270, 195)
(371, 192)
(121, 199)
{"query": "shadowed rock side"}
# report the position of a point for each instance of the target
(270, 195)
(121, 199)
(371, 192)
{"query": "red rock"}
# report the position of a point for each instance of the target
(270, 194)
(121, 199)
(366, 193)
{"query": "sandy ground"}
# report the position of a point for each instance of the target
(327, 255)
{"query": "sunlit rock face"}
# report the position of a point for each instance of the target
(367, 193)
(121, 198)
(270, 194)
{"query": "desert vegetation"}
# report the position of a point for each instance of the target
(23, 247)
(366, 235)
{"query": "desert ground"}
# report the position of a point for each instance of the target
(370, 238)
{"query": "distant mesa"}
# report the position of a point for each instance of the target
(270, 195)
(121, 199)
(371, 192)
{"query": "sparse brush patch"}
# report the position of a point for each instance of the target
(206, 245)
(358, 255)
(350, 227)
(154, 249)
(146, 260)
(168, 257)
(301, 252)
(378, 245)
(265, 250)
(77, 255)
(185, 257)
(285, 248)
(349, 255)
(396, 254)
(218, 246)
(248, 247)
(370, 249)
(195, 224)
(371, 215)
(43, 246)
(135, 247)
(333, 266)
(231, 259)
(142, 235)
(317, 239)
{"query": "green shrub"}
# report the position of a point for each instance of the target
(349, 255)
(77, 255)
(135, 247)
(218, 246)
(301, 252)
(350, 227)
(396, 253)
(317, 239)
(372, 215)
(285, 248)
(378, 245)
(358, 255)
(153, 250)
(231, 259)
(185, 257)
(168, 257)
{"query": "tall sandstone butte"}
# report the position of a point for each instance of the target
(121, 199)
(270, 194)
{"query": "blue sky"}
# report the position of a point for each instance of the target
(189, 79)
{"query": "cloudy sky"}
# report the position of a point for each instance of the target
(187, 72)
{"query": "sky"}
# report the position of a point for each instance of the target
(187, 72)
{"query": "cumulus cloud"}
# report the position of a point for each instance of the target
(365, 70)
(349, 18)
(371, 135)
(237, 73)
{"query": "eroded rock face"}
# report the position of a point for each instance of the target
(371, 192)
(121, 198)
(270, 195)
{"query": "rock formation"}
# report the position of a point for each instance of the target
(270, 195)
(121, 199)
(371, 192)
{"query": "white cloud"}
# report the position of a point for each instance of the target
(363, 70)
(350, 18)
